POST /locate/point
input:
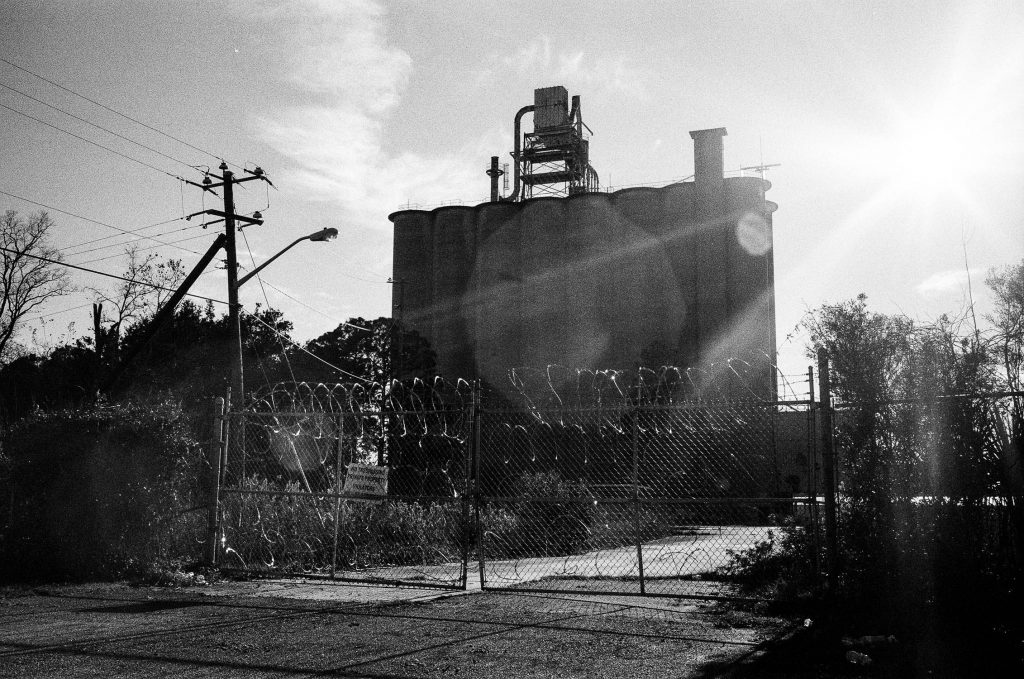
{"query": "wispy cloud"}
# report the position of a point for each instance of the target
(539, 58)
(351, 80)
(945, 282)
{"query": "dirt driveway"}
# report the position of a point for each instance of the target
(290, 629)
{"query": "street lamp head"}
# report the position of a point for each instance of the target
(324, 235)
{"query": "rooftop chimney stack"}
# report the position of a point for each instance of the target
(708, 160)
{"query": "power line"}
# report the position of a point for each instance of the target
(280, 335)
(89, 141)
(64, 311)
(116, 235)
(108, 275)
(98, 127)
(87, 219)
(132, 240)
(115, 112)
(151, 247)
(95, 143)
(284, 353)
(314, 309)
(302, 348)
(357, 278)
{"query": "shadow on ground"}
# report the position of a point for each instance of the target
(933, 651)
(121, 631)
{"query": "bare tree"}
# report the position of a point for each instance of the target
(29, 274)
(149, 283)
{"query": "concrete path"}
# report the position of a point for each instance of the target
(671, 565)
(681, 556)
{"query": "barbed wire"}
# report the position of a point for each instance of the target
(552, 387)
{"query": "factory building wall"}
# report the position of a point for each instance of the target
(680, 275)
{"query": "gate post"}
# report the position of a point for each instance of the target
(473, 486)
(813, 508)
(828, 464)
(338, 452)
(214, 455)
(637, 513)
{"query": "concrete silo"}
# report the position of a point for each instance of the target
(680, 275)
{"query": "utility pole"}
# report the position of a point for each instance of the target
(228, 180)
(234, 317)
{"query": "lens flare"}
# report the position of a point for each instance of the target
(752, 234)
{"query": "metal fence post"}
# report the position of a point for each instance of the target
(467, 491)
(214, 455)
(475, 455)
(338, 452)
(828, 464)
(637, 519)
(813, 508)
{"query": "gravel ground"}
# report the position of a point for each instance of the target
(289, 628)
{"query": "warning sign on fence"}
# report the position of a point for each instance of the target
(366, 479)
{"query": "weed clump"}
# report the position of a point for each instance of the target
(781, 568)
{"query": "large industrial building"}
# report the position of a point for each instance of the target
(562, 273)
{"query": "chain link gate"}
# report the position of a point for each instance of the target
(623, 498)
(651, 500)
(286, 508)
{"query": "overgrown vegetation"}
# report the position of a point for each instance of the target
(548, 517)
(296, 533)
(785, 567)
(929, 468)
(926, 465)
(104, 477)
(109, 491)
(278, 531)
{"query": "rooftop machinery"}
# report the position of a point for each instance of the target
(553, 159)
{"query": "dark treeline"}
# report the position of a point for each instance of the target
(188, 360)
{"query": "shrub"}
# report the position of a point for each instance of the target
(104, 492)
(552, 517)
(279, 528)
(781, 568)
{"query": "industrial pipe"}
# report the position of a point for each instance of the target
(515, 154)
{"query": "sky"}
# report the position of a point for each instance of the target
(898, 130)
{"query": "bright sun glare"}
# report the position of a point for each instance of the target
(931, 157)
(946, 144)
(936, 151)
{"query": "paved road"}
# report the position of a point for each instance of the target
(288, 629)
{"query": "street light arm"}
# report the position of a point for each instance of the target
(262, 266)
(322, 235)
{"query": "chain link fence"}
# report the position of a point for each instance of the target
(301, 494)
(627, 484)
(615, 483)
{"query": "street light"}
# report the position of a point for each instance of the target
(237, 382)
(319, 236)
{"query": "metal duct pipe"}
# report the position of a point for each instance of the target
(515, 154)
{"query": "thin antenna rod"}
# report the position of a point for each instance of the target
(970, 289)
